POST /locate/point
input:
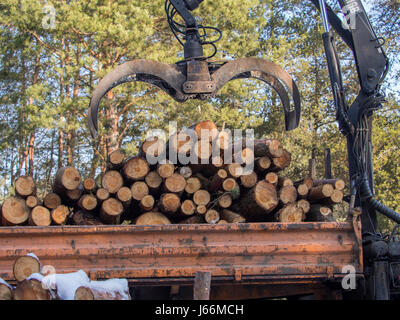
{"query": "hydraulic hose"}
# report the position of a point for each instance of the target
(367, 194)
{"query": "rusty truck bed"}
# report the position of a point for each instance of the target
(172, 254)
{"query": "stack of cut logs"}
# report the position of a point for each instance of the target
(134, 191)
(37, 282)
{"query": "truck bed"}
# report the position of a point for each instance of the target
(267, 253)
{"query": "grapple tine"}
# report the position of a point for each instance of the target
(167, 77)
(271, 74)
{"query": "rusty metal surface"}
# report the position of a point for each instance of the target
(276, 252)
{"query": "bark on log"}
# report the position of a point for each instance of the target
(52, 201)
(212, 216)
(67, 179)
(88, 202)
(259, 201)
(24, 266)
(111, 211)
(116, 160)
(31, 289)
(139, 189)
(14, 212)
(81, 218)
(193, 185)
(135, 169)
(25, 186)
(102, 290)
(40, 216)
(232, 217)
(202, 198)
(169, 203)
(152, 218)
(59, 215)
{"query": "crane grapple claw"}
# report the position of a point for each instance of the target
(199, 79)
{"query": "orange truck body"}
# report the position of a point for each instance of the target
(295, 257)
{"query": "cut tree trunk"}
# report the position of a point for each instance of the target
(223, 141)
(169, 203)
(281, 163)
(125, 196)
(291, 213)
(89, 185)
(102, 195)
(152, 218)
(25, 266)
(112, 181)
(259, 201)
(234, 170)
(212, 216)
(88, 202)
(202, 198)
(206, 130)
(305, 205)
(302, 191)
(262, 164)
(188, 208)
(40, 216)
(175, 184)
(230, 185)
(152, 148)
(165, 170)
(185, 172)
(25, 186)
(272, 178)
(14, 212)
(338, 184)
(33, 201)
(51, 201)
(67, 179)
(225, 201)
(275, 148)
(111, 211)
(217, 180)
(31, 289)
(5, 291)
(321, 192)
(249, 180)
(288, 195)
(147, 203)
(232, 217)
(59, 215)
(101, 290)
(135, 169)
(201, 210)
(139, 189)
(153, 181)
(335, 198)
(193, 185)
(319, 213)
(202, 151)
(116, 160)
(285, 182)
